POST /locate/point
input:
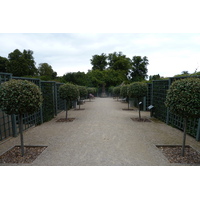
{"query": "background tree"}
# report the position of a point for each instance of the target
(137, 90)
(46, 70)
(77, 78)
(118, 61)
(68, 92)
(99, 62)
(20, 97)
(139, 68)
(183, 99)
(3, 64)
(154, 77)
(21, 64)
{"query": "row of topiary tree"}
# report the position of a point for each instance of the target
(24, 97)
(134, 90)
(183, 98)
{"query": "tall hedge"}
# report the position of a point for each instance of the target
(20, 97)
(183, 99)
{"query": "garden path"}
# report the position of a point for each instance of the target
(101, 135)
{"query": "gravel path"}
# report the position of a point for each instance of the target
(101, 135)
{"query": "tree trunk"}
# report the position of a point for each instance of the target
(139, 109)
(21, 133)
(184, 136)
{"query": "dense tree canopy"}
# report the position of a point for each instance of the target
(139, 68)
(45, 69)
(21, 63)
(99, 62)
(3, 64)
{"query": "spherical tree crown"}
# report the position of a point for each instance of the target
(124, 91)
(20, 97)
(69, 92)
(183, 97)
(83, 91)
(116, 90)
(137, 90)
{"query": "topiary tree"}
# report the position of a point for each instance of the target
(83, 93)
(137, 90)
(183, 99)
(124, 93)
(20, 97)
(68, 92)
(116, 91)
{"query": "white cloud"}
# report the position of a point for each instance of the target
(168, 54)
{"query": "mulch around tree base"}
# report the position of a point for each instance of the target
(66, 120)
(14, 155)
(127, 109)
(173, 154)
(141, 120)
(79, 109)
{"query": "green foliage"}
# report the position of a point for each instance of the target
(91, 90)
(99, 62)
(137, 90)
(3, 64)
(116, 91)
(183, 98)
(77, 78)
(83, 91)
(20, 97)
(139, 68)
(68, 92)
(21, 64)
(45, 70)
(124, 91)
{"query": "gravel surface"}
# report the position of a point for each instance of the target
(101, 135)
(173, 154)
(14, 155)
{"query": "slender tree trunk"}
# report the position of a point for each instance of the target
(184, 136)
(21, 133)
(139, 109)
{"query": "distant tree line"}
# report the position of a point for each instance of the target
(22, 64)
(110, 70)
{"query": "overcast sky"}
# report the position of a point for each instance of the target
(66, 34)
(168, 54)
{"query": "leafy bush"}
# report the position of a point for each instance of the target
(68, 92)
(137, 90)
(20, 97)
(83, 91)
(124, 91)
(116, 91)
(183, 99)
